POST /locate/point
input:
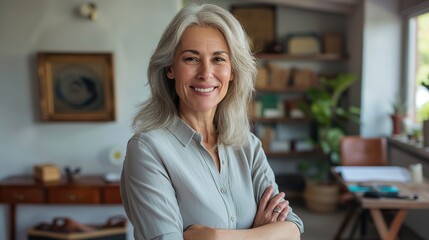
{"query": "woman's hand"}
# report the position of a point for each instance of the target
(271, 209)
(199, 232)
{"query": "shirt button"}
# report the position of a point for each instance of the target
(232, 218)
(223, 162)
(223, 190)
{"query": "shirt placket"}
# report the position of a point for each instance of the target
(225, 189)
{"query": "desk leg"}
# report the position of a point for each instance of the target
(12, 218)
(380, 224)
(351, 212)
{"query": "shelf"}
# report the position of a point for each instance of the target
(281, 120)
(294, 154)
(312, 57)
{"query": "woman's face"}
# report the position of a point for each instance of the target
(201, 70)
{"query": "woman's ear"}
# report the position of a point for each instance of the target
(169, 72)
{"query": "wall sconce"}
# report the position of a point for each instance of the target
(88, 10)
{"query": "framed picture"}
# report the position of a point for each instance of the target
(259, 22)
(76, 86)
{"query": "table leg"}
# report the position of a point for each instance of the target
(380, 224)
(351, 212)
(12, 218)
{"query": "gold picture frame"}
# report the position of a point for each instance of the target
(76, 86)
(259, 22)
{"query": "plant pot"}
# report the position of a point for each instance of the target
(321, 197)
(396, 124)
(426, 133)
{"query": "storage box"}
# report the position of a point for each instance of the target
(117, 233)
(333, 43)
(47, 172)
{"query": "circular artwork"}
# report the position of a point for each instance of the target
(78, 87)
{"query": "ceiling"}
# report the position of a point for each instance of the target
(336, 6)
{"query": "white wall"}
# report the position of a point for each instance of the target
(380, 65)
(128, 28)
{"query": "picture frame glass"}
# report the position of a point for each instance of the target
(78, 87)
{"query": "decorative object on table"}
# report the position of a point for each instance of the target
(47, 172)
(72, 174)
(115, 157)
(76, 86)
(322, 106)
(416, 171)
(63, 228)
(303, 44)
(333, 43)
(259, 23)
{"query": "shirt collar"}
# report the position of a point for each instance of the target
(183, 132)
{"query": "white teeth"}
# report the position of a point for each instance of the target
(204, 90)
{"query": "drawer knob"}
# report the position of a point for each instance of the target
(19, 197)
(72, 197)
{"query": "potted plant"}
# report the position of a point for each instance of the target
(398, 114)
(425, 116)
(322, 106)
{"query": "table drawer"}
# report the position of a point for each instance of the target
(21, 195)
(74, 196)
(112, 196)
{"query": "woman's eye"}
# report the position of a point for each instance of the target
(191, 59)
(219, 59)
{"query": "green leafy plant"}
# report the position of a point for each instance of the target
(329, 119)
(399, 108)
(423, 113)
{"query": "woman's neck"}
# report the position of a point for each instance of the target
(203, 124)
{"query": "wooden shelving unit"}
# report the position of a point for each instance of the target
(296, 57)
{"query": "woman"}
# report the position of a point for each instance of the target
(194, 170)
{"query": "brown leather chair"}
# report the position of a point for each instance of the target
(359, 151)
(363, 151)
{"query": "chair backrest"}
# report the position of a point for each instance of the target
(363, 151)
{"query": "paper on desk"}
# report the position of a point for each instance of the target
(382, 173)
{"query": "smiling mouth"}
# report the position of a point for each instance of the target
(204, 90)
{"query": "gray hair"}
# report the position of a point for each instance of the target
(231, 119)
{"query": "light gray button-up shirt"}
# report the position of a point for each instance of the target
(170, 182)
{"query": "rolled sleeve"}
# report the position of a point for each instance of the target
(148, 195)
(263, 177)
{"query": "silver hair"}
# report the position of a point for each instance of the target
(231, 118)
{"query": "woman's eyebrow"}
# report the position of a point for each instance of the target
(197, 52)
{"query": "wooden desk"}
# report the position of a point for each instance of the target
(376, 205)
(91, 189)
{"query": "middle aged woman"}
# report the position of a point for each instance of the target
(193, 170)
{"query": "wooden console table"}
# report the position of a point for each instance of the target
(89, 189)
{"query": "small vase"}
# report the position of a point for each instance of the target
(396, 124)
(426, 133)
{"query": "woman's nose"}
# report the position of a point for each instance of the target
(205, 70)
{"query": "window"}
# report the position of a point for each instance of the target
(418, 68)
